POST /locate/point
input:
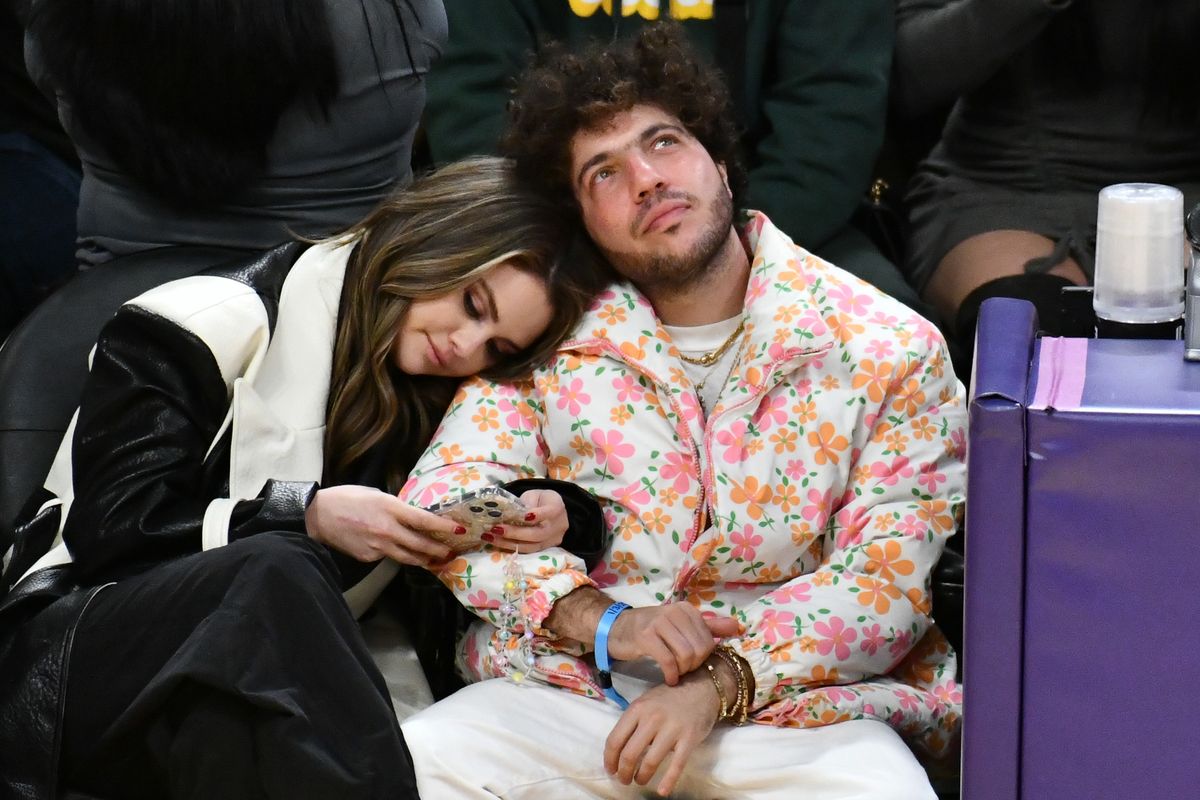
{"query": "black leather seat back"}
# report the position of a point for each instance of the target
(43, 363)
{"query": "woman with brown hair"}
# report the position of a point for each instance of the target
(178, 618)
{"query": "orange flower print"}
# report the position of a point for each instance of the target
(935, 512)
(752, 494)
(467, 476)
(885, 560)
(897, 442)
(808, 644)
(787, 497)
(561, 468)
(487, 418)
(804, 412)
(875, 378)
(505, 441)
(909, 399)
(623, 562)
(787, 313)
(828, 443)
(621, 414)
(612, 314)
(829, 383)
(877, 593)
(656, 521)
(450, 453)
(784, 440)
(547, 384)
(923, 429)
(844, 327)
(582, 447)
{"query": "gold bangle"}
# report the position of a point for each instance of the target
(740, 711)
(723, 711)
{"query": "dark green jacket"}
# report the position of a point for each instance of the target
(813, 98)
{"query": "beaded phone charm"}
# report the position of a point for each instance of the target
(516, 657)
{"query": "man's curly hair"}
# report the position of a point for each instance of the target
(562, 93)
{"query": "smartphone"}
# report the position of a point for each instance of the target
(478, 511)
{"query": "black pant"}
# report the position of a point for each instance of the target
(234, 673)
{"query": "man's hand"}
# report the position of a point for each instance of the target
(544, 526)
(367, 524)
(677, 636)
(666, 720)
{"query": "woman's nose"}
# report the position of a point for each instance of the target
(469, 340)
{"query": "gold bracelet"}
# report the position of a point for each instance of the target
(741, 669)
(723, 711)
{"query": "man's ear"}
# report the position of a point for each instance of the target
(724, 176)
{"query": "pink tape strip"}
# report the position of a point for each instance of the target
(1062, 371)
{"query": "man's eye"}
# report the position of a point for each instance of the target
(663, 141)
(601, 175)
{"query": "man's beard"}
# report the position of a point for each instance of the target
(663, 273)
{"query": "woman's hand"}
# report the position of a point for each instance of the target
(665, 721)
(545, 524)
(367, 524)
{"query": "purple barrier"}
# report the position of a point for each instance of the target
(1081, 641)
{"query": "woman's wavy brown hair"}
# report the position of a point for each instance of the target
(445, 231)
(562, 93)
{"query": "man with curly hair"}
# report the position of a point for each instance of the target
(777, 447)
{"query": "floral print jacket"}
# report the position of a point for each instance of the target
(811, 505)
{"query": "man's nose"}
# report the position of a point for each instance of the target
(647, 181)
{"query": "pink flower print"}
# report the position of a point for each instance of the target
(958, 444)
(911, 526)
(901, 644)
(849, 302)
(573, 398)
(837, 694)
(679, 469)
(756, 289)
(889, 475)
(908, 702)
(880, 349)
(480, 599)
(949, 693)
(777, 625)
(537, 606)
(872, 639)
(519, 416)
(810, 321)
(628, 389)
(635, 496)
(883, 319)
(611, 447)
(851, 522)
(792, 592)
(734, 438)
(930, 477)
(772, 409)
(817, 512)
(794, 469)
(602, 576)
(432, 493)
(745, 543)
(837, 638)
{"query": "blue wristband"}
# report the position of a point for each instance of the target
(603, 665)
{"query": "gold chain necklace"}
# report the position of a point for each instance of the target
(708, 359)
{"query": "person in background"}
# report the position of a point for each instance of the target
(39, 186)
(808, 78)
(177, 617)
(777, 447)
(232, 124)
(1050, 101)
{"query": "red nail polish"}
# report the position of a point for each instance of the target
(460, 530)
(487, 537)
(530, 517)
(498, 530)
